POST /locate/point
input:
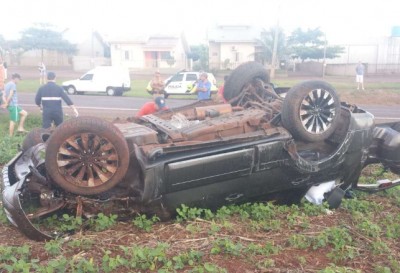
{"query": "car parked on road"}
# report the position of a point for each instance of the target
(258, 147)
(113, 81)
(183, 83)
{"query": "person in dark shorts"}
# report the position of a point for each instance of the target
(49, 98)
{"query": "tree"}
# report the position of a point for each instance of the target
(310, 44)
(42, 37)
(199, 53)
(266, 45)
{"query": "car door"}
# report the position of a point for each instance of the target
(189, 80)
(176, 85)
(85, 83)
(209, 180)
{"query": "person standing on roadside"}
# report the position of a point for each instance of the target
(360, 75)
(221, 89)
(49, 98)
(2, 79)
(203, 87)
(42, 72)
(17, 114)
(157, 85)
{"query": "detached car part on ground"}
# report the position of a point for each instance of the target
(258, 147)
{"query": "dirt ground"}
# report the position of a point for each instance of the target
(364, 252)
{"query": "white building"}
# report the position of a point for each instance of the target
(150, 53)
(379, 56)
(229, 46)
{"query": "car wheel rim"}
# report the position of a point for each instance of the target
(71, 91)
(110, 92)
(87, 160)
(317, 111)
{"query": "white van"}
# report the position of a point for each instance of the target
(109, 79)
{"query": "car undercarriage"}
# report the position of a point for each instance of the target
(266, 144)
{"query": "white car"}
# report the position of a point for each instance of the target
(183, 82)
(114, 81)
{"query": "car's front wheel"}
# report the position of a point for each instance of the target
(87, 156)
(110, 91)
(71, 90)
(311, 111)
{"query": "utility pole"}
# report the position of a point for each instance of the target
(275, 49)
(324, 63)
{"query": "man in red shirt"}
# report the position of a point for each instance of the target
(152, 106)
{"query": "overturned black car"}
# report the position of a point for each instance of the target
(266, 143)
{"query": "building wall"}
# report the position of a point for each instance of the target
(379, 57)
(214, 56)
(230, 55)
(50, 58)
(91, 48)
(127, 55)
(135, 56)
(85, 63)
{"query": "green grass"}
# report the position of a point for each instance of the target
(138, 89)
(9, 145)
(344, 86)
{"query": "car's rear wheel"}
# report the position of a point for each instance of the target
(87, 156)
(311, 111)
(71, 90)
(34, 137)
(242, 75)
(110, 91)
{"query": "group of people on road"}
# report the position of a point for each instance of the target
(50, 95)
(202, 87)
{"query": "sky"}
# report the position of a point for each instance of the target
(343, 21)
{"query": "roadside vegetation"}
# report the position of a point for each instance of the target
(378, 90)
(9, 145)
(362, 236)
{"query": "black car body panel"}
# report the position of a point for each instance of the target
(239, 156)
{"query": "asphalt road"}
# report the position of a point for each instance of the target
(99, 105)
(112, 107)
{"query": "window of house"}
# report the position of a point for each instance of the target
(127, 57)
(166, 55)
(191, 77)
(87, 77)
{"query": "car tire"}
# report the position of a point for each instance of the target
(71, 90)
(87, 156)
(111, 91)
(242, 75)
(34, 137)
(311, 110)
